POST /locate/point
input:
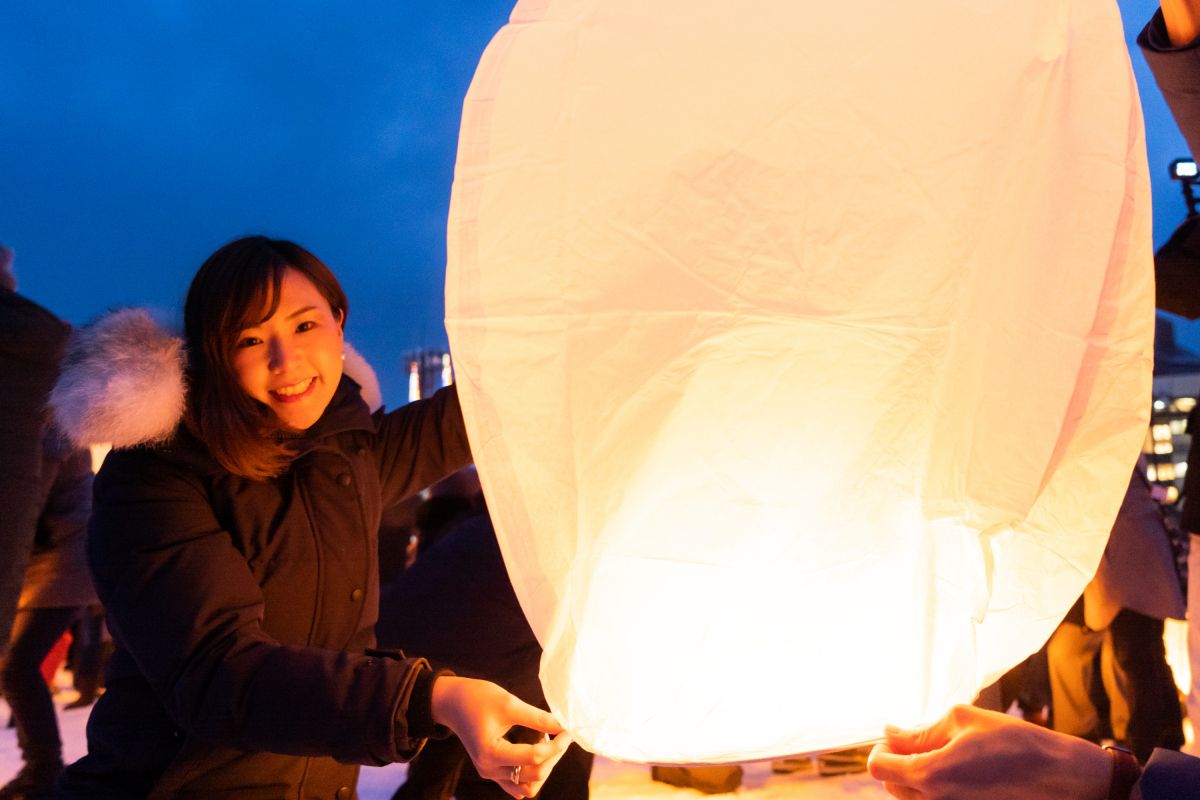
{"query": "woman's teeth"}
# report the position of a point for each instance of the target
(294, 389)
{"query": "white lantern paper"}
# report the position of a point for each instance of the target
(804, 352)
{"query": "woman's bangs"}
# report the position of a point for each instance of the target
(256, 296)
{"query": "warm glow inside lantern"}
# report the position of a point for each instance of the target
(804, 352)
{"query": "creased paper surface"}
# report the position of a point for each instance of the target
(804, 354)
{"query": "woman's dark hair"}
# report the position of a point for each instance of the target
(237, 288)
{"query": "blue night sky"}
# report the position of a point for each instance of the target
(137, 137)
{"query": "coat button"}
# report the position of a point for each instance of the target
(343, 793)
(360, 452)
(356, 595)
(344, 479)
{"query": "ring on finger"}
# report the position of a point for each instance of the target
(516, 774)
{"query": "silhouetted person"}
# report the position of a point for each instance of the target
(31, 344)
(57, 589)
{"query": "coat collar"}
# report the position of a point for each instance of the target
(347, 412)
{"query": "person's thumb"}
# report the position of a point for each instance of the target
(901, 741)
(907, 741)
(521, 713)
(886, 766)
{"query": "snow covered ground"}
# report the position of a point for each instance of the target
(610, 780)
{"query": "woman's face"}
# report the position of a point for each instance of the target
(292, 362)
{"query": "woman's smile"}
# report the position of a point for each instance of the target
(295, 392)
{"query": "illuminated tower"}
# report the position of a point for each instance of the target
(428, 371)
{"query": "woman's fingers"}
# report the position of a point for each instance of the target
(521, 713)
(536, 761)
(511, 753)
(503, 756)
(481, 713)
(518, 790)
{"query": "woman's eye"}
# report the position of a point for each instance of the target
(247, 341)
(307, 325)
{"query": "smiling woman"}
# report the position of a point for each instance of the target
(237, 560)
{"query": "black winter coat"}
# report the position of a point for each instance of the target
(31, 344)
(243, 612)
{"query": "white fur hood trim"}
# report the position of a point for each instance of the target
(360, 371)
(122, 381)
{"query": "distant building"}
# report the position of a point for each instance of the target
(428, 371)
(1176, 385)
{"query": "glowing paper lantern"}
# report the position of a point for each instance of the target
(804, 354)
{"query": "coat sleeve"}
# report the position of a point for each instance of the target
(1169, 776)
(31, 342)
(1137, 570)
(182, 600)
(421, 443)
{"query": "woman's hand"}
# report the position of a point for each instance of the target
(480, 714)
(981, 754)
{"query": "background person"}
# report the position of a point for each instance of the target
(31, 343)
(1111, 642)
(57, 589)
